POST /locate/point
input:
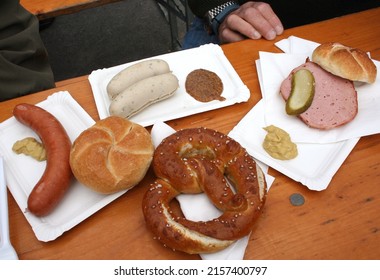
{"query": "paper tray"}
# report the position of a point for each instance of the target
(315, 164)
(210, 57)
(23, 172)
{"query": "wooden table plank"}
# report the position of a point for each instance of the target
(49, 9)
(342, 222)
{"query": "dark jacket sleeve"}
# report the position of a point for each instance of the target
(200, 7)
(24, 65)
(296, 12)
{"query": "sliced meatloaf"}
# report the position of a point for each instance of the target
(335, 99)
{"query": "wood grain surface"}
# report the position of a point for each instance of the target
(49, 9)
(342, 222)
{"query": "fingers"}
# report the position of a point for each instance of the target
(252, 20)
(264, 20)
(229, 36)
(234, 29)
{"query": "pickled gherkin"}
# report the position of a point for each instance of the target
(302, 92)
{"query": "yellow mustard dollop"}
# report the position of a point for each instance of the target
(31, 147)
(277, 144)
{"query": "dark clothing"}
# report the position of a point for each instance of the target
(296, 12)
(24, 65)
(200, 7)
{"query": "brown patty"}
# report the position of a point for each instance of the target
(204, 85)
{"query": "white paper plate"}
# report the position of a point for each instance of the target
(273, 68)
(210, 57)
(23, 172)
(315, 164)
(205, 210)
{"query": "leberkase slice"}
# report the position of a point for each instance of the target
(302, 93)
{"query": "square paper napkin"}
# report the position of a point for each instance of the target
(320, 153)
(198, 207)
(296, 45)
(315, 164)
(274, 68)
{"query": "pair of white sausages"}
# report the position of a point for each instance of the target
(139, 86)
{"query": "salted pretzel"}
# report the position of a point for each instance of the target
(198, 160)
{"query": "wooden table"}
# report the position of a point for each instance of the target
(49, 9)
(342, 222)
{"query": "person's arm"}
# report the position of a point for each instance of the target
(252, 20)
(24, 65)
(236, 20)
(200, 7)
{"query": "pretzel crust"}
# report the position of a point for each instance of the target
(198, 160)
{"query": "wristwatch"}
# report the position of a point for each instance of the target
(216, 15)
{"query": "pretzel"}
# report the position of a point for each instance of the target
(198, 160)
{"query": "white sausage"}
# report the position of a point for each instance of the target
(143, 94)
(135, 73)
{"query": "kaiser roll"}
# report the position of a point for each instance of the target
(112, 155)
(346, 62)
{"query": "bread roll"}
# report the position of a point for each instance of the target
(112, 155)
(346, 62)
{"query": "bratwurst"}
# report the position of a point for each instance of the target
(135, 73)
(56, 178)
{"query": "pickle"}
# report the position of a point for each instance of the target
(302, 92)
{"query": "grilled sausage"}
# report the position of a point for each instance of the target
(56, 178)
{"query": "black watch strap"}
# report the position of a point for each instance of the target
(216, 15)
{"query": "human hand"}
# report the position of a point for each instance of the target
(252, 20)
